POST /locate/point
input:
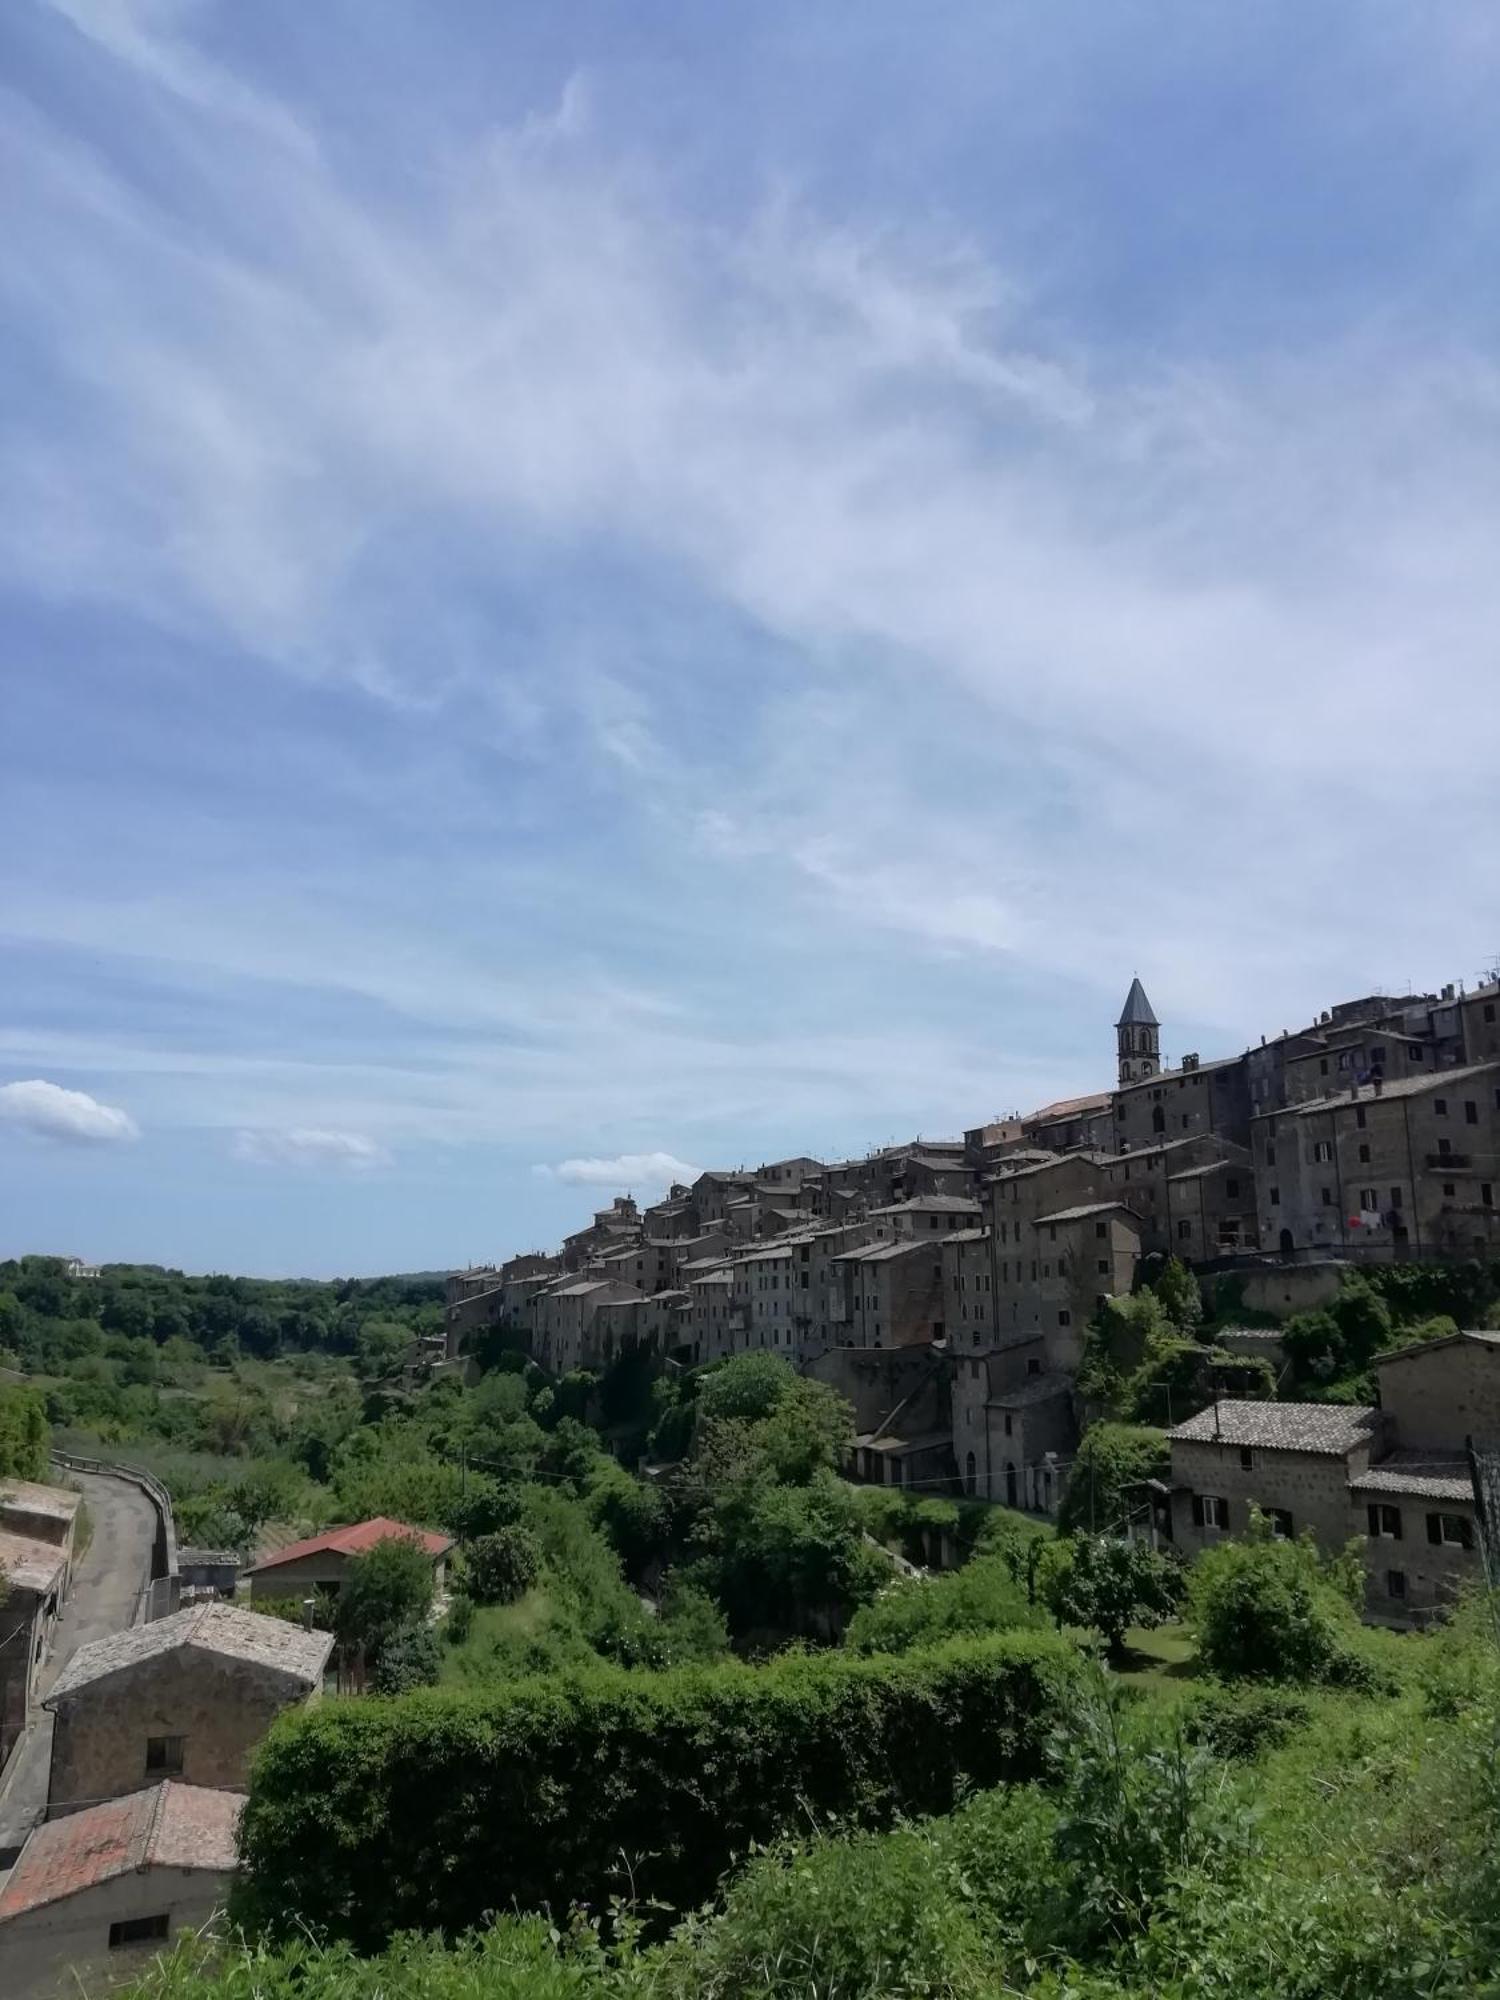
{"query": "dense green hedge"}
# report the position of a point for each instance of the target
(370, 1817)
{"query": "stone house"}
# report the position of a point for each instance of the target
(1394, 1170)
(1210, 1210)
(36, 1575)
(562, 1335)
(1013, 1425)
(924, 1215)
(891, 1295)
(710, 1286)
(1196, 1100)
(188, 1697)
(96, 1895)
(968, 1290)
(1393, 1475)
(1054, 1269)
(322, 1561)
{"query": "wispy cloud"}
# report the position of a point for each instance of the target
(627, 1170)
(47, 1111)
(307, 1146)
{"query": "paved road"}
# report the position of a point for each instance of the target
(106, 1584)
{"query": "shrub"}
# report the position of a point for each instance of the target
(1242, 1722)
(503, 1565)
(367, 1818)
(983, 1596)
(1268, 1608)
(410, 1658)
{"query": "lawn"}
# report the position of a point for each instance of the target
(1163, 1657)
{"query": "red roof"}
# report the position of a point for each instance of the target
(169, 1826)
(354, 1541)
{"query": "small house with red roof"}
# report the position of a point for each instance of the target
(322, 1561)
(98, 1893)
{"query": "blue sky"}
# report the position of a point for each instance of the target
(618, 584)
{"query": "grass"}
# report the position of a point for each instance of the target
(498, 1631)
(1163, 1657)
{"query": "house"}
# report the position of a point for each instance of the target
(187, 1697)
(36, 1575)
(321, 1562)
(96, 1895)
(891, 1294)
(208, 1572)
(1013, 1424)
(1393, 1475)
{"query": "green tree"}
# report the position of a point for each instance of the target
(502, 1566)
(746, 1386)
(409, 1658)
(380, 1348)
(385, 1591)
(24, 1436)
(1106, 1584)
(1112, 1461)
(1181, 1299)
(983, 1596)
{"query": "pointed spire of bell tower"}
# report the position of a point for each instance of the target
(1138, 1036)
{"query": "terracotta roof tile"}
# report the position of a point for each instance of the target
(354, 1541)
(169, 1826)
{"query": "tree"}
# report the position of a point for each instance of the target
(409, 1658)
(385, 1590)
(1112, 1460)
(502, 1566)
(24, 1436)
(1265, 1607)
(747, 1386)
(380, 1348)
(1181, 1299)
(1108, 1584)
(983, 1596)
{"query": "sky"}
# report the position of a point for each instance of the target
(595, 589)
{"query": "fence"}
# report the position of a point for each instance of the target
(161, 1589)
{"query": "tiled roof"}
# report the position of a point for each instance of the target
(1068, 1107)
(1419, 1474)
(1329, 1430)
(929, 1204)
(1088, 1209)
(28, 1564)
(1405, 1086)
(222, 1629)
(169, 1826)
(967, 1236)
(1035, 1389)
(354, 1541)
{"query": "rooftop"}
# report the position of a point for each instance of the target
(1035, 1389)
(1137, 1011)
(1068, 1107)
(1328, 1430)
(1087, 1209)
(1402, 1086)
(169, 1826)
(930, 1204)
(354, 1541)
(224, 1630)
(28, 1564)
(60, 1501)
(1421, 1475)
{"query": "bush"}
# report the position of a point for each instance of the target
(1243, 1722)
(984, 1596)
(1106, 1584)
(502, 1566)
(1268, 1608)
(367, 1818)
(410, 1658)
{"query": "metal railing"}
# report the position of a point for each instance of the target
(161, 1592)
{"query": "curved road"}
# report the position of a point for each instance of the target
(106, 1584)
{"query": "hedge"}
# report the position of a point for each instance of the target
(368, 1817)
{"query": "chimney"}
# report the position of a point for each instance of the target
(1190, 1062)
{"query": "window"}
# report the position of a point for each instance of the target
(1322, 1065)
(1323, 1150)
(1415, 1052)
(1051, 1232)
(137, 1930)
(1445, 1147)
(1232, 1190)
(1369, 1201)
(1451, 1531)
(1033, 1366)
(1489, 1010)
(1275, 1197)
(1103, 1267)
(1280, 1519)
(1471, 1112)
(1185, 1228)
(1395, 1584)
(164, 1753)
(1487, 1194)
(1377, 1054)
(1359, 1117)
(1395, 1197)
(1328, 1197)
(1247, 1458)
(1440, 1106)
(1101, 1230)
(1448, 1190)
(1384, 1522)
(1209, 1511)
(1064, 1318)
(1009, 1423)
(1364, 1156)
(1270, 1156)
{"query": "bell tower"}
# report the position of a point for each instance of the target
(1138, 1033)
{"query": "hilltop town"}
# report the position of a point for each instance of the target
(945, 1287)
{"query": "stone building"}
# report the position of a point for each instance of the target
(36, 1574)
(1138, 1038)
(1013, 1425)
(188, 1697)
(1055, 1268)
(968, 1290)
(891, 1295)
(96, 1895)
(322, 1561)
(1396, 1170)
(561, 1321)
(1393, 1475)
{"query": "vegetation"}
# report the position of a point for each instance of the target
(1269, 1608)
(984, 1596)
(23, 1433)
(1106, 1585)
(367, 1818)
(1113, 1462)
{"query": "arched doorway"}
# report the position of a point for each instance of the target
(1287, 1245)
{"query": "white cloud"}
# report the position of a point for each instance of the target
(627, 1170)
(310, 1146)
(72, 1116)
